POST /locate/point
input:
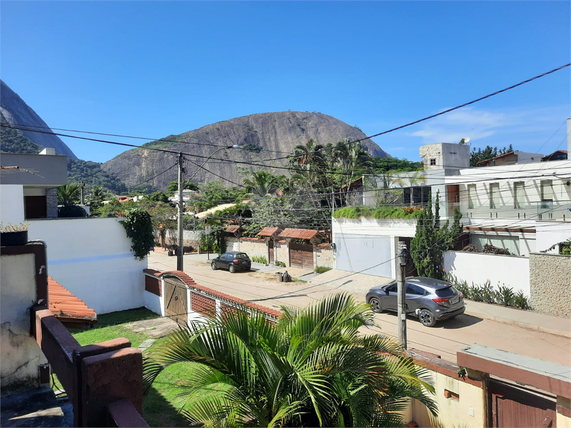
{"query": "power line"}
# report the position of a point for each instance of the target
(451, 109)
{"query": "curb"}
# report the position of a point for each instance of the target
(556, 332)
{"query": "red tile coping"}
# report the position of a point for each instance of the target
(66, 307)
(189, 282)
(298, 233)
(269, 231)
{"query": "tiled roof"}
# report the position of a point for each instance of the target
(298, 233)
(233, 228)
(66, 307)
(269, 231)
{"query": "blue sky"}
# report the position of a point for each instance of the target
(155, 68)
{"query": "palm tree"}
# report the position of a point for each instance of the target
(262, 183)
(68, 194)
(312, 368)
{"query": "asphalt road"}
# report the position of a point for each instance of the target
(445, 339)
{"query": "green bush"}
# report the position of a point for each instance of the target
(486, 293)
(385, 212)
(281, 264)
(259, 259)
(321, 269)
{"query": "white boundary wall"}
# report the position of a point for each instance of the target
(11, 203)
(477, 268)
(92, 258)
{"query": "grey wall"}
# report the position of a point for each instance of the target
(37, 170)
(357, 253)
(550, 284)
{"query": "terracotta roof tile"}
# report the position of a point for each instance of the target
(298, 233)
(269, 231)
(233, 228)
(67, 307)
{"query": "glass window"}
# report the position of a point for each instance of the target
(471, 196)
(446, 292)
(519, 195)
(494, 195)
(414, 289)
(392, 288)
(546, 190)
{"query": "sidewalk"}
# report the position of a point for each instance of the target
(359, 284)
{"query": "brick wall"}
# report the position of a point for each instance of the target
(51, 202)
(152, 282)
(550, 284)
(203, 305)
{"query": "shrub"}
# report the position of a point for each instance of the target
(505, 296)
(490, 249)
(521, 301)
(280, 264)
(321, 269)
(259, 259)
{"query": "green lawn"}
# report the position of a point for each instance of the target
(158, 409)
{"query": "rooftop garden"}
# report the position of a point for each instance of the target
(386, 212)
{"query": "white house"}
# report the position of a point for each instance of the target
(523, 207)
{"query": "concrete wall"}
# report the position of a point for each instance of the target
(12, 205)
(254, 247)
(323, 256)
(550, 284)
(563, 405)
(92, 258)
(465, 410)
(49, 171)
(19, 353)
(499, 270)
(550, 233)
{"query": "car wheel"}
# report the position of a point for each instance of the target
(213, 265)
(426, 318)
(375, 303)
(232, 269)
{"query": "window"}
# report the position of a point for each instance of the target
(519, 195)
(433, 161)
(546, 190)
(392, 288)
(471, 196)
(494, 195)
(413, 289)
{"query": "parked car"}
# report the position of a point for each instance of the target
(428, 299)
(233, 261)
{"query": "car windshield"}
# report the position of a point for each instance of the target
(446, 292)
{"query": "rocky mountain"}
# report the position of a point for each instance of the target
(14, 110)
(265, 140)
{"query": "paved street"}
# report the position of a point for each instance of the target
(522, 332)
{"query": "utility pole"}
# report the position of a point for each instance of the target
(401, 293)
(180, 251)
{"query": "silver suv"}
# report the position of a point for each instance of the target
(428, 299)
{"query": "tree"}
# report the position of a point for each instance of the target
(97, 196)
(68, 194)
(432, 239)
(487, 153)
(186, 184)
(262, 183)
(310, 369)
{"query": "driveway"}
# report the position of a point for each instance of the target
(539, 336)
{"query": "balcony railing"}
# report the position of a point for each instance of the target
(104, 381)
(541, 210)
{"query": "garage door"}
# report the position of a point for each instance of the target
(301, 255)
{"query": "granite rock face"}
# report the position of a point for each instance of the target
(14, 110)
(266, 139)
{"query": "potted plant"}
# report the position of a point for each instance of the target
(13, 234)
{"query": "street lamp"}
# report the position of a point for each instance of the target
(180, 252)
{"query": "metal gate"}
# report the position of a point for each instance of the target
(176, 305)
(301, 255)
(513, 406)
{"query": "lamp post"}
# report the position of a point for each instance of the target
(180, 251)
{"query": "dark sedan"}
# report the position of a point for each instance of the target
(428, 299)
(233, 261)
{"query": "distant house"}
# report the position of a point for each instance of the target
(556, 155)
(512, 158)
